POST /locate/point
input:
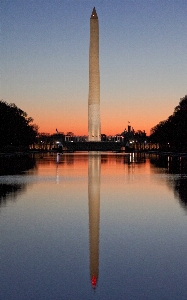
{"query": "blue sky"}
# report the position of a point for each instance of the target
(143, 61)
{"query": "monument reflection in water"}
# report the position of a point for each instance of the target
(94, 169)
(45, 241)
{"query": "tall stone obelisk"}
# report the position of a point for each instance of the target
(94, 127)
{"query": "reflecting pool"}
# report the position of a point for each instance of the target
(94, 226)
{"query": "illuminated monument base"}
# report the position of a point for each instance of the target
(94, 122)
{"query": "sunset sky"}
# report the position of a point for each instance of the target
(45, 61)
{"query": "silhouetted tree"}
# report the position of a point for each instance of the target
(16, 129)
(172, 133)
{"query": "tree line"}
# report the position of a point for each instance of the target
(17, 130)
(171, 134)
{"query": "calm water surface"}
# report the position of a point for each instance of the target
(95, 226)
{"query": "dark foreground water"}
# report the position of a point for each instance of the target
(91, 226)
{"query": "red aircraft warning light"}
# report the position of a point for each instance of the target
(94, 281)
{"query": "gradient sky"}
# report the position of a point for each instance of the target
(45, 61)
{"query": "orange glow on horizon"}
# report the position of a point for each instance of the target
(109, 125)
(82, 129)
(113, 119)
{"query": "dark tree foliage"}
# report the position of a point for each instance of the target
(172, 133)
(16, 129)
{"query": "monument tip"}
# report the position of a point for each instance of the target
(94, 14)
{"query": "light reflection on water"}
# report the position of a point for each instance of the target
(109, 226)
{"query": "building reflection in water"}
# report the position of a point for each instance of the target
(94, 167)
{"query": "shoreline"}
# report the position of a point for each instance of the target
(24, 153)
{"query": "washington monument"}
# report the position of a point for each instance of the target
(94, 127)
